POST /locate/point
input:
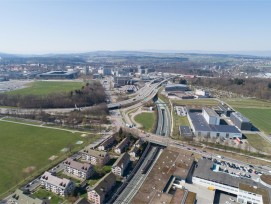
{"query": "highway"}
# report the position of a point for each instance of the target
(146, 93)
(131, 189)
(163, 129)
(164, 119)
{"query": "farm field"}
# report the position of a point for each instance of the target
(259, 143)
(48, 87)
(26, 149)
(196, 102)
(248, 103)
(261, 118)
(147, 120)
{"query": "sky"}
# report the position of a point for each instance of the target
(63, 26)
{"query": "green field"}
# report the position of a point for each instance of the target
(248, 103)
(48, 87)
(261, 118)
(25, 149)
(259, 143)
(147, 120)
(196, 102)
(21, 120)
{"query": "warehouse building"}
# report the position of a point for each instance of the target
(176, 87)
(202, 128)
(60, 75)
(240, 121)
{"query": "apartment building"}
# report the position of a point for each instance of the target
(77, 169)
(59, 186)
(98, 192)
(122, 145)
(120, 165)
(133, 151)
(95, 157)
(107, 143)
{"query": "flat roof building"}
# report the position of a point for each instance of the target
(201, 127)
(185, 131)
(18, 197)
(172, 163)
(210, 116)
(240, 121)
(242, 187)
(176, 87)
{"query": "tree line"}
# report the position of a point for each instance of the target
(88, 95)
(251, 87)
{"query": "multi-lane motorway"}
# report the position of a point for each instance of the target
(146, 93)
(131, 189)
(164, 119)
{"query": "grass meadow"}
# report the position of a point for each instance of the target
(261, 118)
(47, 87)
(25, 151)
(146, 119)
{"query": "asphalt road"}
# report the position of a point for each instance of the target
(164, 119)
(144, 94)
(132, 188)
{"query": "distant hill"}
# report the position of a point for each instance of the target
(149, 53)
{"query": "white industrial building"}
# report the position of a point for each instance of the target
(246, 190)
(211, 117)
(202, 93)
(210, 127)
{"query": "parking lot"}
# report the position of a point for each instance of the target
(13, 85)
(237, 170)
(180, 110)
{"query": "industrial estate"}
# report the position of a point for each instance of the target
(126, 128)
